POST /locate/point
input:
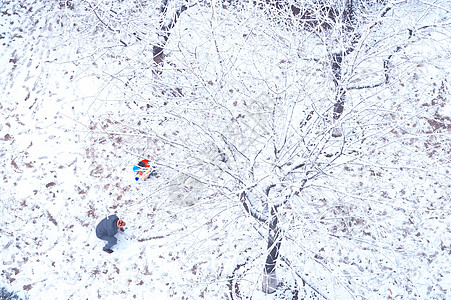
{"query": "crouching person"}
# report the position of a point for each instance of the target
(143, 170)
(106, 230)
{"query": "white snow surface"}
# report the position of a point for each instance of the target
(61, 174)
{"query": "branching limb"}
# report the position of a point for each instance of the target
(259, 216)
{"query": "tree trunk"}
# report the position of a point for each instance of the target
(269, 284)
(165, 32)
(340, 95)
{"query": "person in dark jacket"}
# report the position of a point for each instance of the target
(106, 230)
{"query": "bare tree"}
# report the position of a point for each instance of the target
(249, 128)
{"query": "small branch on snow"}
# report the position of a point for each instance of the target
(370, 86)
(268, 189)
(152, 238)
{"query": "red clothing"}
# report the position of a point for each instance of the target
(144, 170)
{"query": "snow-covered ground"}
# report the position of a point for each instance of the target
(61, 174)
(59, 180)
(56, 185)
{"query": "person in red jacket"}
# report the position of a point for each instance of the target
(143, 170)
(106, 230)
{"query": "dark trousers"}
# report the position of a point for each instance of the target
(110, 239)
